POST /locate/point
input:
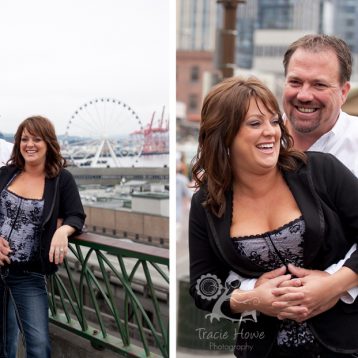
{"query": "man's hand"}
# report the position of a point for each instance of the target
(4, 251)
(319, 294)
(266, 298)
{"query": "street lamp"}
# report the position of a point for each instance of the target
(228, 36)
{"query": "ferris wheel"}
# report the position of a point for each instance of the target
(104, 132)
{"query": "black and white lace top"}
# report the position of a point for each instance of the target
(20, 223)
(272, 250)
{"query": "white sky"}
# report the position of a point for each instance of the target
(57, 55)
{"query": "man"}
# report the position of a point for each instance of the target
(317, 74)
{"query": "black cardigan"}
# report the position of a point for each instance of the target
(327, 195)
(61, 200)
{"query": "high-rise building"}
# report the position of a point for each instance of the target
(196, 25)
(345, 24)
(246, 24)
(305, 15)
(196, 43)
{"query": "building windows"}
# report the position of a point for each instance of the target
(349, 9)
(350, 22)
(194, 74)
(270, 51)
(349, 36)
(193, 102)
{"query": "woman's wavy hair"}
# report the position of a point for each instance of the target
(224, 110)
(42, 127)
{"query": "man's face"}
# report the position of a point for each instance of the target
(313, 95)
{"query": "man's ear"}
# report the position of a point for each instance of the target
(345, 90)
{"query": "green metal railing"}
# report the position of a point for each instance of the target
(115, 294)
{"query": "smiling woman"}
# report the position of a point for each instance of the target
(33, 148)
(258, 214)
(35, 191)
(258, 139)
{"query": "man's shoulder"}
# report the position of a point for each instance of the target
(349, 119)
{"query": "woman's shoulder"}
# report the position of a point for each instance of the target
(65, 173)
(65, 176)
(8, 169)
(200, 194)
(327, 166)
(320, 160)
(319, 156)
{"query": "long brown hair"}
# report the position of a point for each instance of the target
(223, 111)
(42, 127)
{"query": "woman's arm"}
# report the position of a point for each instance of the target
(71, 218)
(71, 209)
(204, 264)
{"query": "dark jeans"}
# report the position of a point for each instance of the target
(24, 306)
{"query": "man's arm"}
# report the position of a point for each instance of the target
(321, 291)
(248, 284)
(351, 294)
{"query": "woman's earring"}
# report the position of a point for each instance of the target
(228, 152)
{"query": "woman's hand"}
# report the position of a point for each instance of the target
(59, 244)
(4, 251)
(270, 275)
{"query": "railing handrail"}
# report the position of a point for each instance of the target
(129, 249)
(79, 304)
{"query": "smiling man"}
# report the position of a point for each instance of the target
(318, 70)
(317, 74)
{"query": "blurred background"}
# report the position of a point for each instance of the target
(222, 38)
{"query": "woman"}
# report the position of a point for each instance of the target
(35, 191)
(263, 206)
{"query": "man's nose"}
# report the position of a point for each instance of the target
(305, 94)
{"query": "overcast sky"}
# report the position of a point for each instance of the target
(57, 55)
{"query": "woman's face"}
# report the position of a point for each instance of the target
(256, 146)
(33, 148)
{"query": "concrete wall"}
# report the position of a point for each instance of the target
(137, 226)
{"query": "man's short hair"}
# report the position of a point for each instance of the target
(320, 42)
